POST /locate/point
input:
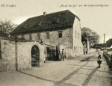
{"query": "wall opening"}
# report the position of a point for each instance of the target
(35, 54)
(52, 53)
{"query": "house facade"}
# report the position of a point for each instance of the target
(59, 33)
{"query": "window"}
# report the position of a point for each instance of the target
(38, 35)
(48, 36)
(60, 34)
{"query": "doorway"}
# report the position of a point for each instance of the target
(35, 54)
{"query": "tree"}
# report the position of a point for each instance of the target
(90, 35)
(7, 26)
(86, 32)
(109, 42)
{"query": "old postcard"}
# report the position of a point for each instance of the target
(55, 43)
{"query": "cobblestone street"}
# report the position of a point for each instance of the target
(79, 71)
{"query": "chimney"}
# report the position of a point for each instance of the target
(44, 13)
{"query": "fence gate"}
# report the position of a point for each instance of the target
(35, 56)
(52, 53)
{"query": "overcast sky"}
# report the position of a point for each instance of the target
(97, 18)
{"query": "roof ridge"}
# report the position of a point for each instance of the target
(64, 18)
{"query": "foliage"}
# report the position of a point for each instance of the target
(109, 42)
(7, 26)
(90, 35)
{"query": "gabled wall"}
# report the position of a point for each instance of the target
(77, 44)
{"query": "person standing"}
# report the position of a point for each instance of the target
(99, 60)
(63, 54)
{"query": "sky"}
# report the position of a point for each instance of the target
(97, 18)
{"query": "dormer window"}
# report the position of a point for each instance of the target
(60, 34)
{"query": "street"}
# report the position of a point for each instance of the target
(79, 71)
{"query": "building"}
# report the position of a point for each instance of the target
(57, 31)
(38, 39)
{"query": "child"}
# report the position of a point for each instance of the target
(99, 61)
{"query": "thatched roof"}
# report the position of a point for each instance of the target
(53, 21)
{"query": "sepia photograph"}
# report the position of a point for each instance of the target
(55, 43)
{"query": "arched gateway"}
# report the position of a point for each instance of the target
(35, 54)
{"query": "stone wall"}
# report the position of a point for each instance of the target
(7, 62)
(24, 54)
(54, 40)
(18, 55)
(66, 41)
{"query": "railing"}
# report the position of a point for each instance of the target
(108, 59)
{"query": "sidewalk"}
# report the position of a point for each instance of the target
(80, 71)
(101, 77)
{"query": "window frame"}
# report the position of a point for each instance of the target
(60, 34)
